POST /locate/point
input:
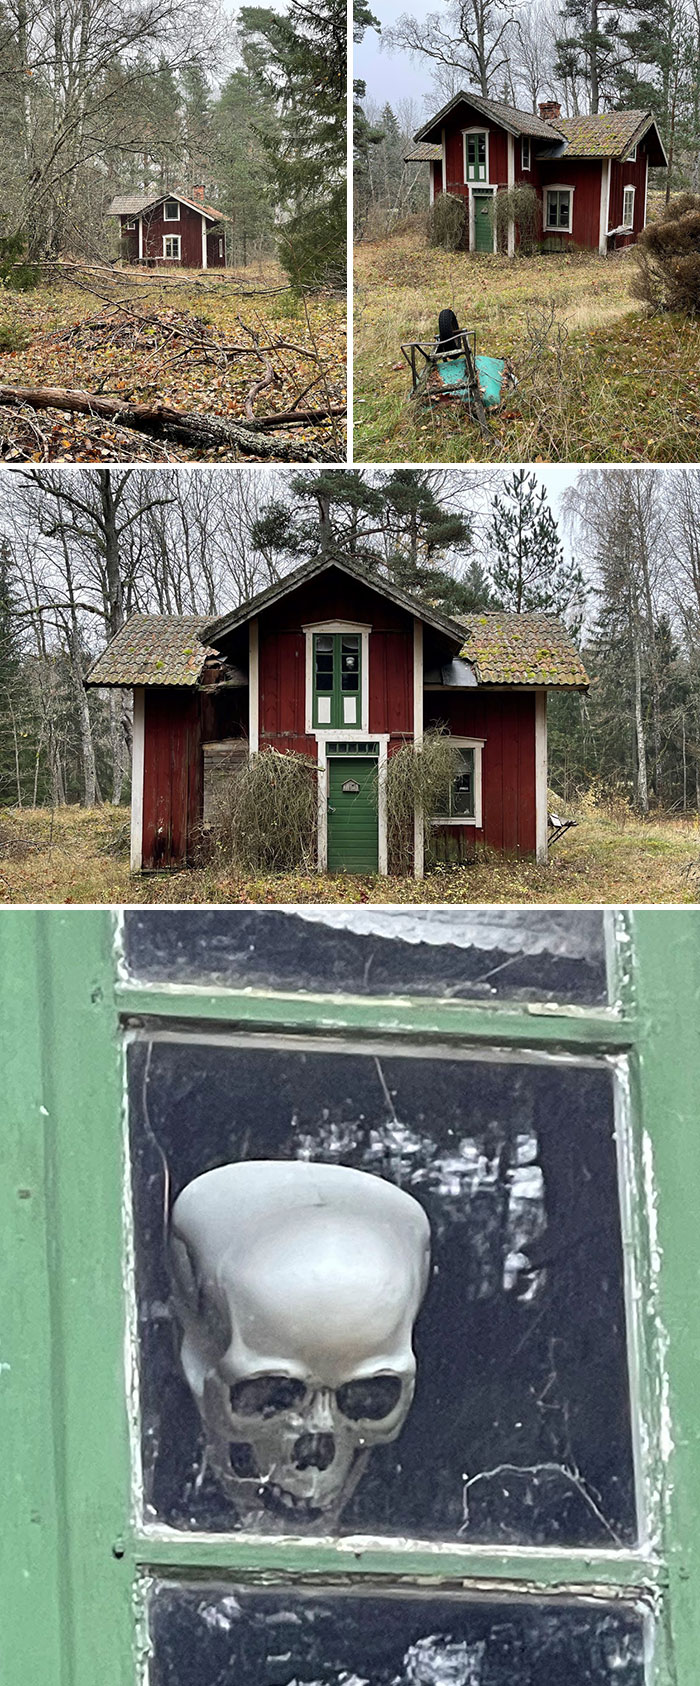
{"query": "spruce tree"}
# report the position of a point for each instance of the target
(529, 570)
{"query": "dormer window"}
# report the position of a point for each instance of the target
(171, 212)
(476, 155)
(337, 679)
(525, 152)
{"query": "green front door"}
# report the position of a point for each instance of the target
(483, 230)
(353, 835)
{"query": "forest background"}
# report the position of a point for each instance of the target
(618, 560)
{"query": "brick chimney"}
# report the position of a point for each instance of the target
(198, 192)
(550, 110)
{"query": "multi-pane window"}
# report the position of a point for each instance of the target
(171, 211)
(337, 679)
(525, 152)
(476, 148)
(628, 208)
(171, 245)
(460, 799)
(559, 208)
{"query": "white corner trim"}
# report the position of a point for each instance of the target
(204, 242)
(541, 836)
(477, 819)
(444, 161)
(138, 762)
(418, 828)
(140, 239)
(361, 730)
(604, 207)
(646, 190)
(253, 686)
(511, 183)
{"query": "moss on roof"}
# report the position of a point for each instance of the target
(509, 649)
(154, 650)
(610, 134)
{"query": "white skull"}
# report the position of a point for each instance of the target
(297, 1286)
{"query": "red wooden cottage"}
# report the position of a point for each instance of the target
(590, 173)
(343, 667)
(170, 228)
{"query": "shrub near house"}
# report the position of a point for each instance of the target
(344, 668)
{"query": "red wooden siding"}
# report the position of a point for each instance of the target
(130, 240)
(437, 178)
(584, 176)
(622, 175)
(216, 250)
(507, 722)
(172, 784)
(282, 660)
(467, 117)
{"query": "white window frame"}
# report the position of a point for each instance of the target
(221, 247)
(130, 224)
(558, 187)
(525, 142)
(624, 224)
(324, 733)
(477, 744)
(632, 156)
(166, 203)
(172, 239)
(476, 129)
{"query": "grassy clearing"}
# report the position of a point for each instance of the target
(82, 856)
(82, 335)
(601, 382)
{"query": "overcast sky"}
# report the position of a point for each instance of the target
(391, 77)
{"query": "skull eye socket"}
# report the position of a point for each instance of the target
(266, 1396)
(369, 1399)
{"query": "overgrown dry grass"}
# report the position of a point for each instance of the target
(82, 856)
(56, 346)
(610, 384)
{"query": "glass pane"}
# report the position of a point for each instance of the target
(462, 795)
(519, 1428)
(208, 1635)
(532, 954)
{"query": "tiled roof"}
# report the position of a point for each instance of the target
(132, 204)
(509, 649)
(423, 152)
(154, 650)
(518, 122)
(611, 134)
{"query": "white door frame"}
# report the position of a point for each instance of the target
(479, 187)
(382, 739)
(138, 761)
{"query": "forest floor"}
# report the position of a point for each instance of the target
(79, 855)
(194, 341)
(599, 380)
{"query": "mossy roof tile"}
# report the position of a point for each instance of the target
(509, 649)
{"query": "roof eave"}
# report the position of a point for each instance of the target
(215, 630)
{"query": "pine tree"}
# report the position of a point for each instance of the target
(244, 110)
(529, 570)
(305, 68)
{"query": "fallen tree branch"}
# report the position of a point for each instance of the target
(307, 418)
(161, 422)
(268, 379)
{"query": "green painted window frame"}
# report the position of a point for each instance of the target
(75, 1558)
(336, 692)
(477, 168)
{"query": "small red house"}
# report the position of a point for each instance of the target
(590, 173)
(170, 229)
(343, 667)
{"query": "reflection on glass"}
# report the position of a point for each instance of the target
(208, 1635)
(454, 953)
(519, 1430)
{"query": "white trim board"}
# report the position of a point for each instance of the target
(361, 730)
(541, 833)
(604, 207)
(138, 761)
(418, 831)
(253, 686)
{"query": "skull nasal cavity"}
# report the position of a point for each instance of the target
(314, 1451)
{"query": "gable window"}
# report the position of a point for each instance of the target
(171, 211)
(337, 679)
(461, 803)
(628, 208)
(171, 245)
(632, 156)
(524, 152)
(129, 223)
(476, 155)
(559, 208)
